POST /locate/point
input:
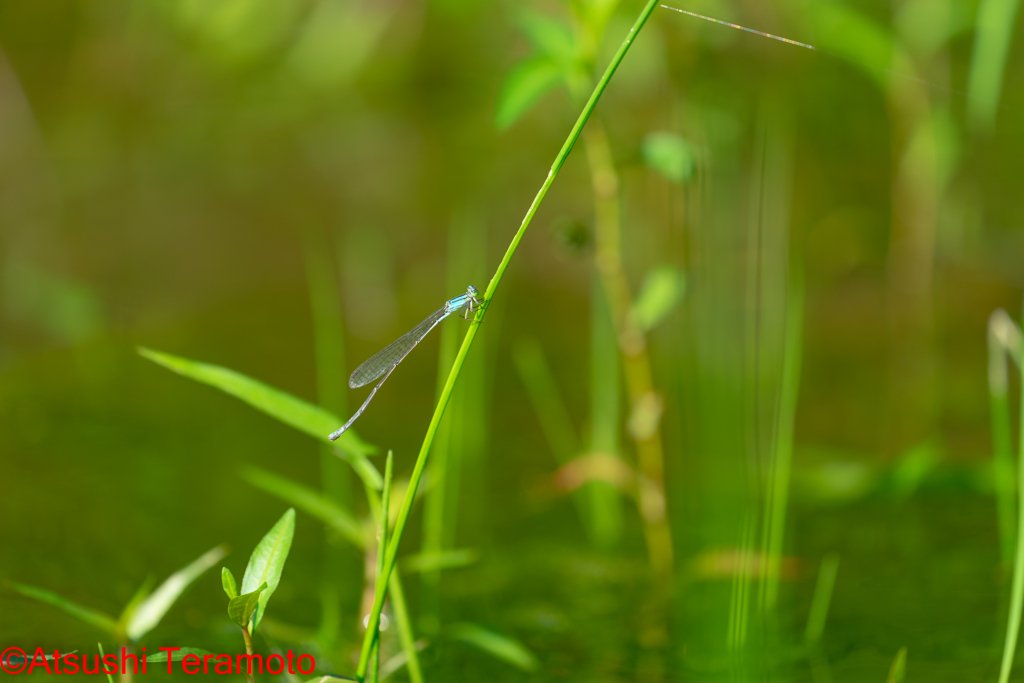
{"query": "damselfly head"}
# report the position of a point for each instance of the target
(471, 290)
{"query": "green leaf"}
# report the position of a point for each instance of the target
(330, 678)
(227, 581)
(446, 559)
(495, 644)
(854, 37)
(177, 655)
(526, 83)
(364, 469)
(267, 562)
(670, 155)
(99, 646)
(151, 610)
(309, 501)
(242, 608)
(898, 670)
(992, 41)
(92, 617)
(595, 14)
(284, 407)
(549, 36)
(913, 467)
(663, 288)
(141, 593)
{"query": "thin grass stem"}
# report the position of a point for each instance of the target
(382, 542)
(780, 476)
(467, 342)
(1002, 342)
(401, 611)
(822, 599)
(329, 354)
(1017, 590)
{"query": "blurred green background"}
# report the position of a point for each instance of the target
(741, 350)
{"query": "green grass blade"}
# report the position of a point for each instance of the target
(309, 501)
(822, 598)
(784, 433)
(92, 617)
(992, 38)
(467, 343)
(446, 559)
(547, 401)
(898, 670)
(141, 593)
(150, 611)
(1017, 588)
(267, 562)
(177, 655)
(604, 501)
(853, 36)
(405, 633)
(331, 390)
(1002, 341)
(524, 86)
(495, 644)
(99, 646)
(399, 660)
(382, 543)
(282, 406)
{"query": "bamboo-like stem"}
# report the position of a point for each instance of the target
(467, 342)
(645, 404)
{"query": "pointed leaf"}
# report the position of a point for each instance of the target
(363, 468)
(898, 670)
(267, 562)
(292, 411)
(495, 644)
(670, 155)
(242, 608)
(149, 613)
(663, 288)
(92, 617)
(110, 678)
(177, 655)
(309, 501)
(595, 14)
(446, 559)
(526, 83)
(992, 42)
(856, 38)
(551, 37)
(227, 581)
(141, 593)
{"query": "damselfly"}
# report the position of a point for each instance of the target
(387, 359)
